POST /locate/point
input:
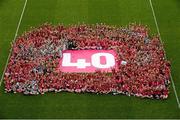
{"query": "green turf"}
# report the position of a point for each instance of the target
(113, 12)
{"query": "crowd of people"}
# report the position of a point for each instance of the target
(33, 65)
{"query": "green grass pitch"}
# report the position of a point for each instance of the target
(113, 12)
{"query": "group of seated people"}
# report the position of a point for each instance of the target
(33, 65)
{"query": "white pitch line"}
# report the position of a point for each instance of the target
(16, 33)
(155, 20)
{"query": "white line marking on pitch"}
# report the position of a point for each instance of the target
(155, 20)
(16, 33)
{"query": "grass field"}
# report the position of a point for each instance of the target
(113, 12)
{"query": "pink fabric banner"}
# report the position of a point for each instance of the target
(87, 60)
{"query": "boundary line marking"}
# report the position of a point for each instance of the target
(157, 27)
(15, 35)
